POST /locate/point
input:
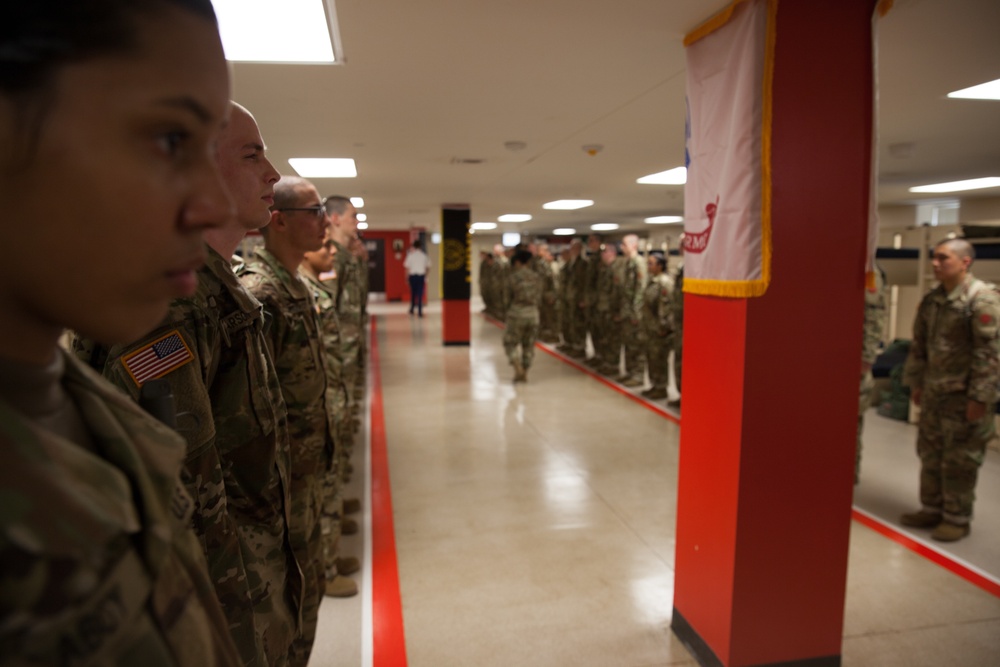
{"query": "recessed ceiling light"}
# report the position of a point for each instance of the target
(959, 186)
(362, 217)
(358, 202)
(300, 31)
(604, 227)
(675, 176)
(664, 219)
(324, 167)
(984, 91)
(514, 217)
(568, 204)
(362, 225)
(484, 225)
(510, 239)
(564, 231)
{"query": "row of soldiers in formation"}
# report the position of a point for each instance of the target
(628, 304)
(266, 365)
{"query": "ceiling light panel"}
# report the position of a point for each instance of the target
(358, 202)
(484, 225)
(675, 176)
(984, 91)
(959, 186)
(514, 217)
(568, 204)
(564, 231)
(289, 31)
(315, 167)
(604, 227)
(664, 219)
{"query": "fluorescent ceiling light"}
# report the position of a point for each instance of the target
(358, 202)
(564, 231)
(959, 186)
(510, 239)
(604, 227)
(362, 225)
(664, 219)
(362, 217)
(484, 225)
(324, 167)
(675, 176)
(984, 91)
(514, 217)
(568, 204)
(292, 31)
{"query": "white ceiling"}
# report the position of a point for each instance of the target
(429, 85)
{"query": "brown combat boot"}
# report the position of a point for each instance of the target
(921, 519)
(518, 372)
(947, 531)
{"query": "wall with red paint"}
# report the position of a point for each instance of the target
(396, 286)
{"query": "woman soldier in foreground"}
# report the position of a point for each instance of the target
(108, 113)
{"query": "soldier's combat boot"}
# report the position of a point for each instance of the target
(947, 531)
(518, 372)
(341, 587)
(633, 382)
(921, 519)
(655, 393)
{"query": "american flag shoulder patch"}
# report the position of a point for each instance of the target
(165, 354)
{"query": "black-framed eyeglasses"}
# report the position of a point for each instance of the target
(319, 210)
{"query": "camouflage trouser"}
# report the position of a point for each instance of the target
(635, 348)
(657, 358)
(304, 533)
(548, 318)
(520, 331)
(864, 402)
(611, 342)
(951, 449)
(350, 346)
(574, 327)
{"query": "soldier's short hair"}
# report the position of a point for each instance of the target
(286, 192)
(660, 259)
(522, 257)
(336, 204)
(960, 247)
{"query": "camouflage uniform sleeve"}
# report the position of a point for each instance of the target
(916, 361)
(875, 316)
(985, 370)
(666, 320)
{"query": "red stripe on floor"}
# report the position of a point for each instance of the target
(933, 555)
(388, 638)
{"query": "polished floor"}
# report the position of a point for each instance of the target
(534, 525)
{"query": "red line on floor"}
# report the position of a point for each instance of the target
(933, 555)
(388, 638)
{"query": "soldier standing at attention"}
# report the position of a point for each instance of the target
(485, 281)
(548, 310)
(237, 465)
(522, 295)
(501, 271)
(298, 224)
(656, 325)
(348, 286)
(952, 370)
(100, 566)
(633, 283)
(589, 298)
(677, 315)
(315, 263)
(875, 314)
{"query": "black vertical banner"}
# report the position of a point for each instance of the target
(456, 274)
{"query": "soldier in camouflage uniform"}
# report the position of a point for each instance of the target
(298, 224)
(501, 270)
(590, 293)
(656, 325)
(548, 313)
(677, 315)
(348, 286)
(633, 284)
(574, 330)
(875, 314)
(237, 468)
(100, 566)
(952, 370)
(485, 281)
(612, 309)
(313, 266)
(522, 294)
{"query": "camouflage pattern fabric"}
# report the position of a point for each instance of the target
(875, 318)
(294, 340)
(633, 284)
(348, 286)
(548, 307)
(677, 315)
(954, 358)
(611, 308)
(237, 468)
(657, 328)
(486, 285)
(338, 405)
(100, 566)
(589, 297)
(522, 294)
(572, 321)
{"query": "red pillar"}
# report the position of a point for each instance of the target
(771, 384)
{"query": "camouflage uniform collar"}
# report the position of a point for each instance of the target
(292, 283)
(221, 269)
(961, 290)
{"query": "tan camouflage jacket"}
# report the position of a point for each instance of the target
(522, 293)
(211, 350)
(633, 284)
(337, 394)
(955, 342)
(296, 345)
(875, 318)
(656, 315)
(99, 565)
(348, 287)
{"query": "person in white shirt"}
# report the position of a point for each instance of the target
(416, 264)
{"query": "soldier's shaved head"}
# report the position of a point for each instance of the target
(960, 247)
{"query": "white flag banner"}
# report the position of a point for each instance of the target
(727, 199)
